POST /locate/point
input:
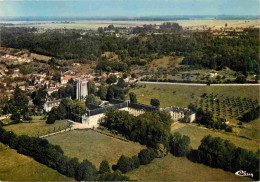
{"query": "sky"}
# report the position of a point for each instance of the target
(130, 8)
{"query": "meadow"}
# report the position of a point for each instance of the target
(36, 127)
(95, 147)
(183, 95)
(17, 167)
(172, 168)
(196, 134)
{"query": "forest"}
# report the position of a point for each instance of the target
(237, 51)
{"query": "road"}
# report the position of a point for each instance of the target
(198, 84)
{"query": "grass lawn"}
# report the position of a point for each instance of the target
(172, 168)
(181, 95)
(197, 133)
(251, 129)
(36, 127)
(17, 167)
(94, 146)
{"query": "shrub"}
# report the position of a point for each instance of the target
(104, 167)
(125, 164)
(228, 129)
(146, 156)
(136, 161)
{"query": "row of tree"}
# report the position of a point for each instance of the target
(53, 156)
(144, 157)
(219, 153)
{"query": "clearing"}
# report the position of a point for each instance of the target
(88, 144)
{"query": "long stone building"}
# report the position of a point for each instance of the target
(95, 116)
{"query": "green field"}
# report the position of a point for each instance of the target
(197, 133)
(182, 95)
(17, 167)
(94, 146)
(36, 127)
(172, 168)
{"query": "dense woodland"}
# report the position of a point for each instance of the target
(200, 49)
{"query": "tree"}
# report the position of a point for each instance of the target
(52, 116)
(56, 77)
(121, 83)
(86, 171)
(92, 100)
(240, 78)
(155, 102)
(110, 93)
(102, 92)
(104, 167)
(111, 79)
(72, 167)
(39, 97)
(146, 156)
(115, 176)
(180, 145)
(92, 88)
(124, 164)
(100, 30)
(136, 161)
(133, 98)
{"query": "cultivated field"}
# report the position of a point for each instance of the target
(94, 146)
(94, 24)
(183, 95)
(172, 168)
(197, 133)
(36, 127)
(17, 167)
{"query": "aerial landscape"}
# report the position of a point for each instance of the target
(120, 90)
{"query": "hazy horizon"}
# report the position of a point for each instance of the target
(128, 8)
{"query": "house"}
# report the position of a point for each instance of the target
(65, 80)
(50, 104)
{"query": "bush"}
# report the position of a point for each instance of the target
(228, 129)
(125, 164)
(115, 176)
(104, 167)
(136, 161)
(155, 102)
(146, 156)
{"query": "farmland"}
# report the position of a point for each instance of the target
(17, 167)
(94, 146)
(172, 168)
(94, 24)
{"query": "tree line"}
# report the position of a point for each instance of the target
(53, 156)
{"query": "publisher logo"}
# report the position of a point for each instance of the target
(243, 173)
